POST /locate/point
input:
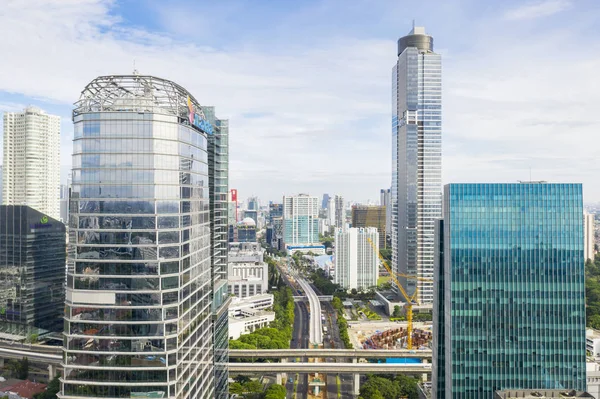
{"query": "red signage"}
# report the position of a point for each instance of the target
(233, 195)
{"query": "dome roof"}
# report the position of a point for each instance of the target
(248, 222)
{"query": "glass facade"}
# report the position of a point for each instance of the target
(514, 299)
(300, 219)
(139, 311)
(32, 272)
(416, 161)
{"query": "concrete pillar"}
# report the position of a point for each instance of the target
(1, 362)
(279, 378)
(424, 374)
(51, 372)
(356, 384)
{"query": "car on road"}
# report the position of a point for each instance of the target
(290, 379)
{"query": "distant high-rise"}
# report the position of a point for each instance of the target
(386, 200)
(1, 184)
(31, 172)
(301, 222)
(370, 216)
(356, 260)
(325, 201)
(147, 278)
(589, 236)
(32, 270)
(417, 160)
(331, 211)
(340, 211)
(510, 293)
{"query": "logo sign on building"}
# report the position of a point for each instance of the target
(233, 195)
(196, 120)
(42, 224)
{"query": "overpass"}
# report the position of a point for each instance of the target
(330, 353)
(303, 298)
(315, 325)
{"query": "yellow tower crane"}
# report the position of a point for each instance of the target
(410, 300)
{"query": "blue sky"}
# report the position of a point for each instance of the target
(307, 84)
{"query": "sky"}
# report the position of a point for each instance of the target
(306, 84)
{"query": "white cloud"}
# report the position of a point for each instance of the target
(538, 9)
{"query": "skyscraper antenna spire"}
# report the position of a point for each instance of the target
(413, 24)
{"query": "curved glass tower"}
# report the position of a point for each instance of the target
(139, 302)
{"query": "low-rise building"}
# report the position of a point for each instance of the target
(593, 379)
(247, 272)
(592, 342)
(248, 314)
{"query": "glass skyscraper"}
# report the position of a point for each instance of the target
(416, 160)
(511, 313)
(146, 278)
(32, 272)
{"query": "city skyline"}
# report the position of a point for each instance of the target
(489, 53)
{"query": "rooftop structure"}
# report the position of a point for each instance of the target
(540, 394)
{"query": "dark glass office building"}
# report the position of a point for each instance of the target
(512, 311)
(32, 272)
(146, 280)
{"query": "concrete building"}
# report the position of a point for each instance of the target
(248, 273)
(589, 236)
(31, 170)
(330, 212)
(417, 160)
(300, 220)
(370, 216)
(32, 272)
(509, 261)
(593, 379)
(356, 261)
(256, 302)
(592, 343)
(144, 278)
(246, 321)
(340, 212)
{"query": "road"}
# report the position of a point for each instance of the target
(299, 341)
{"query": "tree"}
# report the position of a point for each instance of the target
(51, 390)
(275, 391)
(253, 386)
(236, 387)
(19, 368)
(397, 311)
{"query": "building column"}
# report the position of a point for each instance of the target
(279, 378)
(424, 374)
(356, 384)
(51, 372)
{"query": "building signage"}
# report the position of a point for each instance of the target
(197, 120)
(233, 195)
(42, 224)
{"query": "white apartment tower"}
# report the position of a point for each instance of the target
(416, 160)
(589, 236)
(340, 211)
(31, 170)
(356, 260)
(300, 219)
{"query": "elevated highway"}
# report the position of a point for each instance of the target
(315, 327)
(330, 353)
(358, 368)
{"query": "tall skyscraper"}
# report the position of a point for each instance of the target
(331, 211)
(510, 312)
(301, 223)
(340, 211)
(144, 293)
(325, 201)
(32, 272)
(416, 160)
(31, 172)
(370, 216)
(589, 236)
(356, 260)
(218, 173)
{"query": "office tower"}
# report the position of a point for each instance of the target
(32, 271)
(512, 314)
(246, 230)
(253, 204)
(248, 272)
(356, 260)
(301, 223)
(277, 242)
(252, 214)
(325, 201)
(31, 173)
(370, 216)
(232, 216)
(1, 184)
(331, 211)
(141, 309)
(275, 223)
(218, 172)
(340, 212)
(416, 160)
(589, 236)
(275, 211)
(386, 200)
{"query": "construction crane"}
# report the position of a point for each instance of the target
(410, 300)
